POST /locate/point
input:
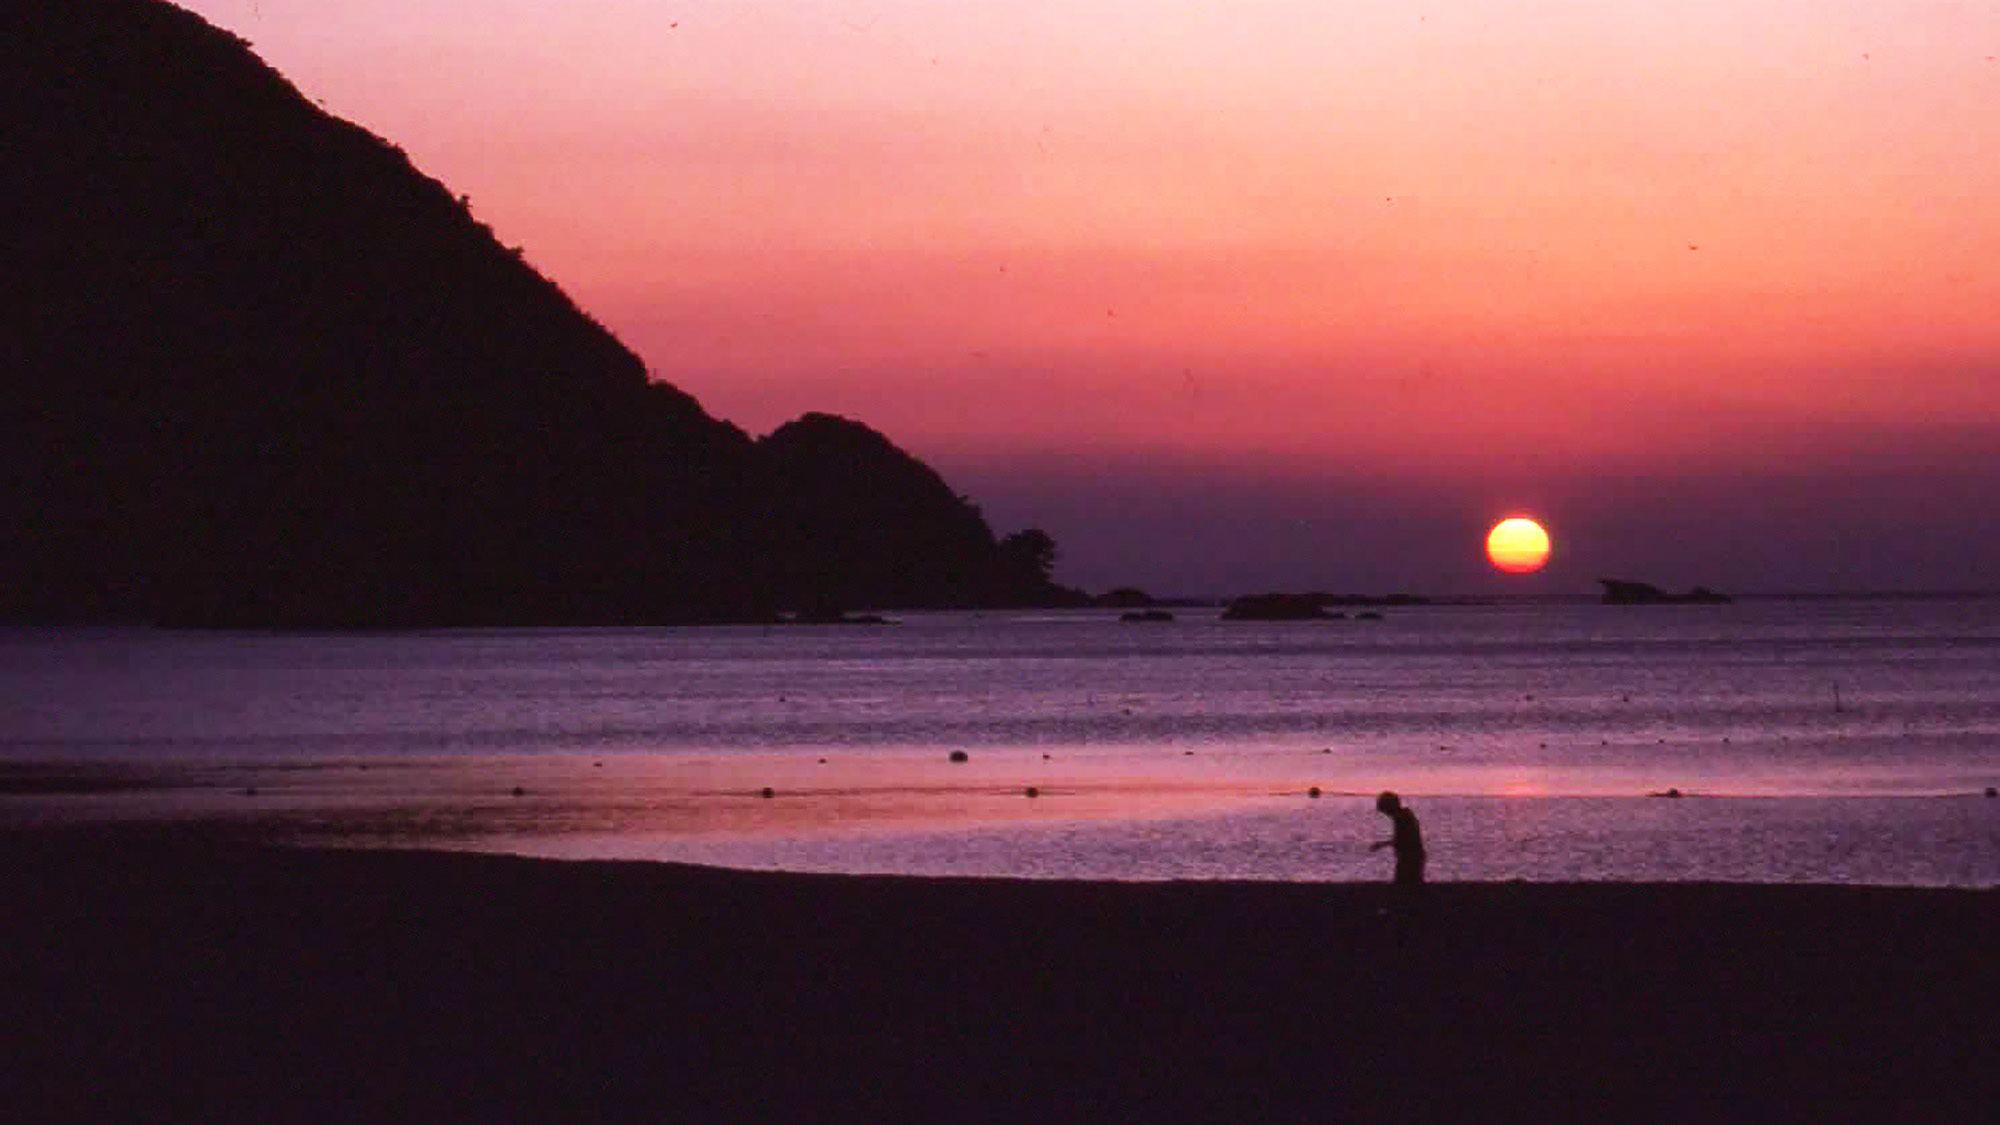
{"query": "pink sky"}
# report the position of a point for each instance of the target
(1273, 256)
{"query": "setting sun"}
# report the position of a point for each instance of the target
(1518, 545)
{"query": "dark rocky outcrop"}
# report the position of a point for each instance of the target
(1621, 592)
(1278, 607)
(260, 370)
(1311, 606)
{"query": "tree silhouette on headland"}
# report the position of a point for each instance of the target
(1031, 554)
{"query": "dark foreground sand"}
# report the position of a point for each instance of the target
(153, 977)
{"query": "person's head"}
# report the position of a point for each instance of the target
(1388, 802)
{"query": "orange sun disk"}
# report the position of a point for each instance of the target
(1517, 545)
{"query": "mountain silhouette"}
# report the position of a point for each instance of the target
(260, 370)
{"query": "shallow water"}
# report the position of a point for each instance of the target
(1844, 741)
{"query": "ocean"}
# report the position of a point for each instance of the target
(1772, 740)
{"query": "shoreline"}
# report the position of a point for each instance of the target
(166, 972)
(936, 821)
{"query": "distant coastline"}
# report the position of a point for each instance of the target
(1619, 591)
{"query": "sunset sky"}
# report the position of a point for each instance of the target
(1277, 294)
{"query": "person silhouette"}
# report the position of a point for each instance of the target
(1406, 837)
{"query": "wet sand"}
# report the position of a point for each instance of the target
(157, 974)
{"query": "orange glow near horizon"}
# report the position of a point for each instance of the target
(1518, 545)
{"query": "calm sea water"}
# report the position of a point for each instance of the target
(1833, 740)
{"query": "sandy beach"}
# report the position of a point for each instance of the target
(157, 974)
